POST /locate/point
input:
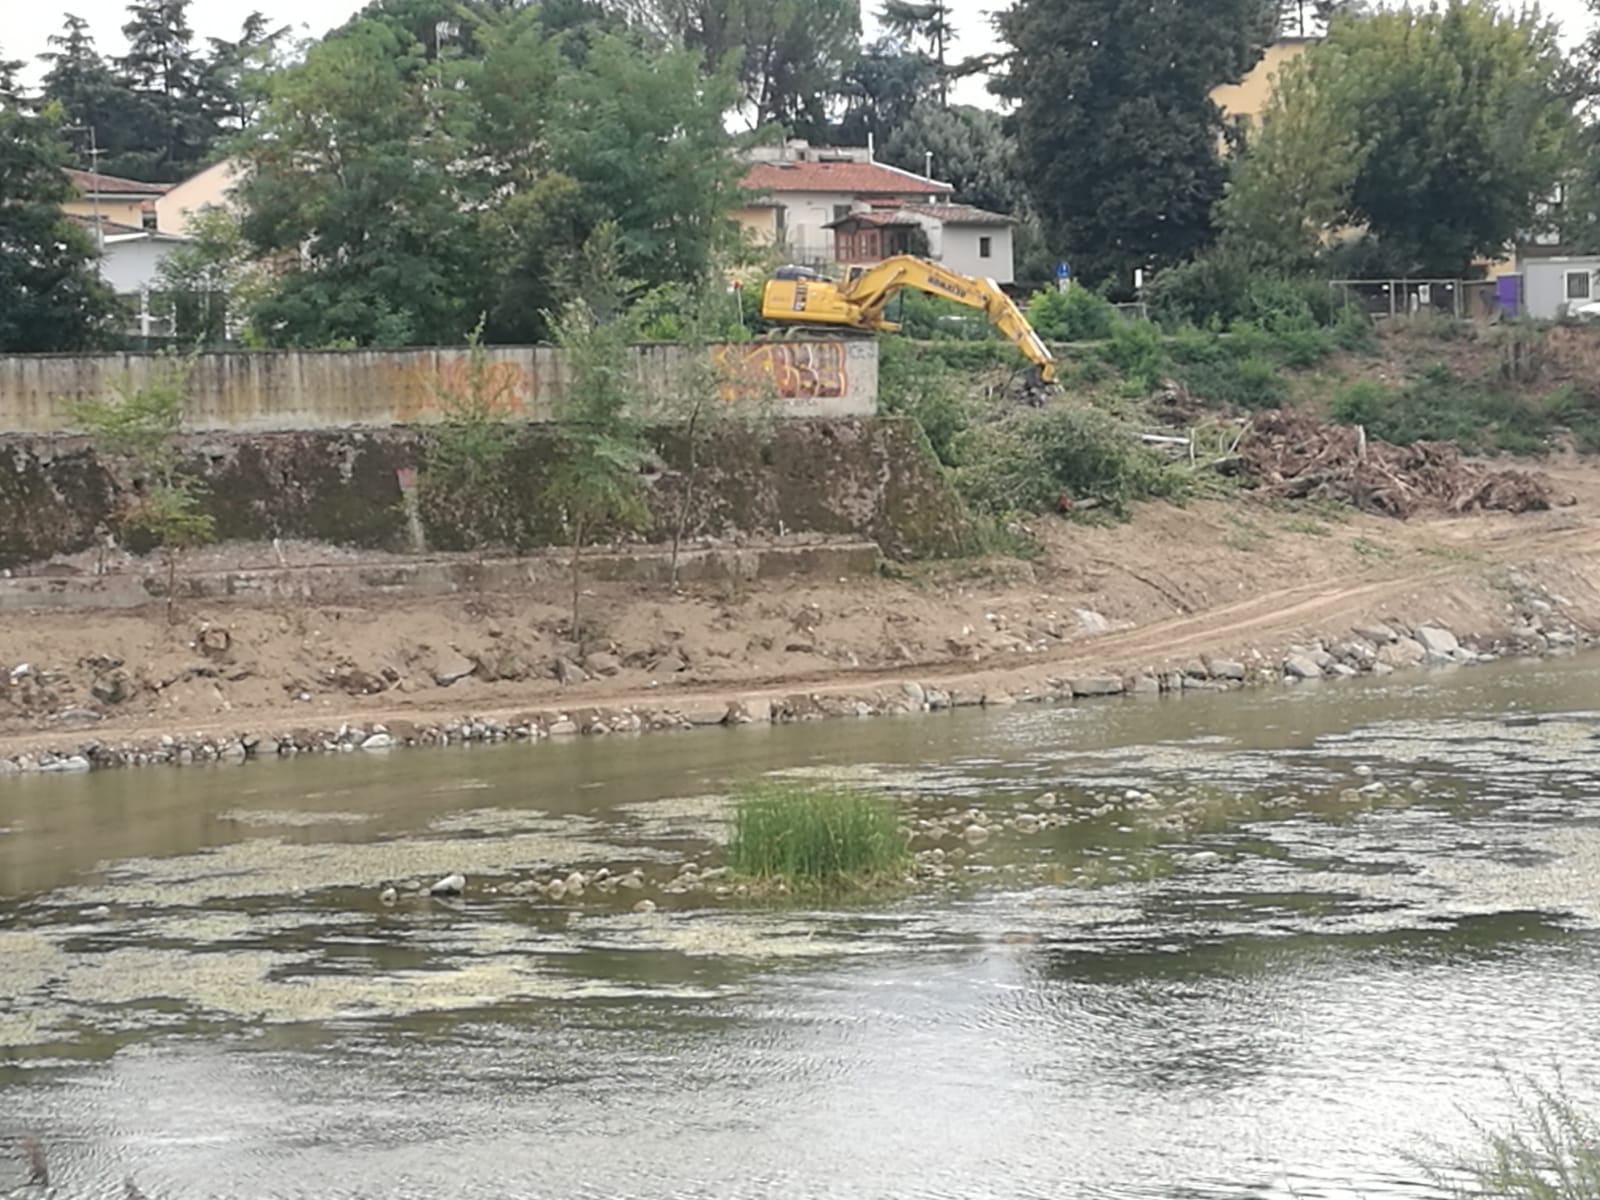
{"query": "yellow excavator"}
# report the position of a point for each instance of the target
(801, 296)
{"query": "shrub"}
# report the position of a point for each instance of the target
(1075, 315)
(922, 387)
(815, 835)
(1550, 1151)
(931, 318)
(1214, 287)
(1137, 349)
(1478, 415)
(1029, 460)
(1252, 383)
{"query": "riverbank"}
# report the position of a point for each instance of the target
(1220, 594)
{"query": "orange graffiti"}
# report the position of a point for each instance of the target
(795, 370)
(499, 387)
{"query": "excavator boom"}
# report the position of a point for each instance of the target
(807, 298)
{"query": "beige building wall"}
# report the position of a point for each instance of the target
(123, 212)
(1248, 98)
(211, 188)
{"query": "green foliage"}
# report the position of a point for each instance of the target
(1437, 129)
(140, 427)
(916, 385)
(464, 466)
(596, 482)
(1029, 460)
(213, 279)
(51, 297)
(1137, 350)
(933, 318)
(1075, 315)
(1480, 415)
(811, 835)
(970, 150)
(1252, 382)
(1117, 136)
(1550, 1150)
(357, 174)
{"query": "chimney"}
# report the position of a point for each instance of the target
(927, 163)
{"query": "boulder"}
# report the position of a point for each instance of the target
(377, 741)
(451, 665)
(1379, 633)
(1402, 652)
(1141, 685)
(1435, 639)
(1301, 666)
(1226, 668)
(600, 663)
(915, 693)
(1097, 685)
(451, 885)
(569, 672)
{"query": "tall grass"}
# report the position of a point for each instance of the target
(815, 835)
(1549, 1151)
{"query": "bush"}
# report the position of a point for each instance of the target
(811, 835)
(1213, 288)
(1479, 415)
(1075, 315)
(1252, 383)
(916, 385)
(931, 318)
(1029, 460)
(1137, 349)
(1550, 1151)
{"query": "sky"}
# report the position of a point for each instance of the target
(27, 25)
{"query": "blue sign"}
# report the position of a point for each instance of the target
(1063, 270)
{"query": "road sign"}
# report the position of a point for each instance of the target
(1063, 270)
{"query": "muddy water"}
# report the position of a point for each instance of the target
(1340, 914)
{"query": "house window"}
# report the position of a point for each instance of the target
(1578, 285)
(985, 247)
(841, 211)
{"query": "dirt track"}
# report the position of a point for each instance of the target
(1233, 578)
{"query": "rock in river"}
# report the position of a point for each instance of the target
(450, 885)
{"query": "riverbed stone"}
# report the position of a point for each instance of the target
(377, 741)
(645, 906)
(569, 672)
(915, 693)
(998, 699)
(1436, 639)
(601, 663)
(450, 665)
(563, 728)
(1302, 666)
(1142, 685)
(1096, 685)
(1402, 652)
(1376, 632)
(1226, 668)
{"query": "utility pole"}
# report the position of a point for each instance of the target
(94, 186)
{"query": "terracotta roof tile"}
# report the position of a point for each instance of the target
(960, 214)
(108, 185)
(855, 178)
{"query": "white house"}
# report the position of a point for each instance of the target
(804, 197)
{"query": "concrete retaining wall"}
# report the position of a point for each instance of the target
(295, 390)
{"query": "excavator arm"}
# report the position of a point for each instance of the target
(810, 299)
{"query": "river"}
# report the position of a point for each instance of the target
(1343, 915)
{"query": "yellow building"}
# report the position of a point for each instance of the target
(211, 188)
(1248, 98)
(113, 200)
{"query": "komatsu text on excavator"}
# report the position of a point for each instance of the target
(800, 296)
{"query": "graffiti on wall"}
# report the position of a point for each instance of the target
(791, 370)
(451, 383)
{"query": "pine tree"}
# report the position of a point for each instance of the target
(92, 99)
(162, 69)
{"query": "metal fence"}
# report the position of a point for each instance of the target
(1404, 297)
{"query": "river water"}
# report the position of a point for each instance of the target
(1345, 915)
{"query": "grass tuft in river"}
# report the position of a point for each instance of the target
(816, 835)
(1549, 1151)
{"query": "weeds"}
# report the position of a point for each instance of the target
(1367, 548)
(1307, 526)
(810, 835)
(1549, 1151)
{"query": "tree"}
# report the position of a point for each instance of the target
(9, 88)
(1118, 140)
(928, 20)
(1293, 184)
(789, 56)
(884, 86)
(91, 97)
(163, 72)
(138, 431)
(231, 87)
(596, 482)
(51, 296)
(970, 150)
(351, 172)
(214, 282)
(1456, 128)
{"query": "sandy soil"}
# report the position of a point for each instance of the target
(1233, 577)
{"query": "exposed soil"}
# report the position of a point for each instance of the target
(1223, 576)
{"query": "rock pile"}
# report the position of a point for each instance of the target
(1295, 457)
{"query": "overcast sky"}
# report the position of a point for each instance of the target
(27, 25)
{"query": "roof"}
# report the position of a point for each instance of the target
(907, 214)
(117, 231)
(92, 183)
(960, 214)
(856, 178)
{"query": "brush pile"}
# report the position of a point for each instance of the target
(1295, 457)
